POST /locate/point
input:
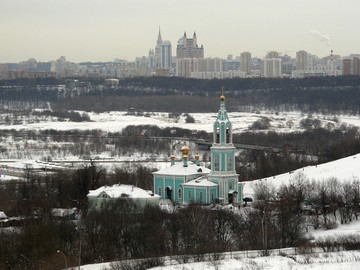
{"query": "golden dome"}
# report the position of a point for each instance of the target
(197, 156)
(185, 149)
(172, 157)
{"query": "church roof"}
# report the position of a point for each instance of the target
(202, 181)
(179, 169)
(118, 191)
(222, 116)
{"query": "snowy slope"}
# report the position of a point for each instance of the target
(349, 260)
(345, 169)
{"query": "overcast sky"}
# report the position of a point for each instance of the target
(102, 30)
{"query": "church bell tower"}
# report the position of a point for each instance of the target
(223, 157)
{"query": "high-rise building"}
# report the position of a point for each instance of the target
(157, 57)
(302, 60)
(187, 53)
(165, 54)
(186, 66)
(210, 65)
(188, 48)
(351, 66)
(160, 58)
(272, 54)
(271, 67)
(245, 62)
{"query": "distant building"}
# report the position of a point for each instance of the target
(219, 75)
(159, 60)
(231, 65)
(185, 67)
(158, 51)
(272, 54)
(245, 62)
(188, 48)
(210, 65)
(302, 60)
(271, 68)
(187, 51)
(165, 55)
(351, 66)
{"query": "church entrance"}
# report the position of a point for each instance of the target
(232, 196)
(168, 193)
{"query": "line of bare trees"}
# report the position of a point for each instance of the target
(278, 218)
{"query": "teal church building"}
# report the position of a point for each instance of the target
(187, 182)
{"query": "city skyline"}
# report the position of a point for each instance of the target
(95, 30)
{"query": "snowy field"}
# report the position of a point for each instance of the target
(116, 121)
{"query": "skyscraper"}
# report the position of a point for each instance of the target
(301, 60)
(188, 48)
(187, 53)
(158, 50)
(245, 62)
(165, 54)
(271, 67)
(351, 66)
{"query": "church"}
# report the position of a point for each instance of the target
(187, 182)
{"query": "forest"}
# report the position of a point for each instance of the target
(331, 95)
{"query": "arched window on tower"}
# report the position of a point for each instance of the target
(230, 164)
(216, 163)
(217, 134)
(227, 135)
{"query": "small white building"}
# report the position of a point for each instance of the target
(105, 195)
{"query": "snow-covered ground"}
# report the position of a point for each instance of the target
(345, 169)
(349, 260)
(116, 121)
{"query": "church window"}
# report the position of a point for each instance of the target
(189, 195)
(217, 135)
(201, 198)
(230, 163)
(230, 186)
(160, 191)
(227, 135)
(212, 197)
(180, 193)
(216, 163)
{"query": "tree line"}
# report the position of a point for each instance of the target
(280, 217)
(322, 94)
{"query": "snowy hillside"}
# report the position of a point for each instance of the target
(344, 169)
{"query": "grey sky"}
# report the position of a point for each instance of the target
(102, 30)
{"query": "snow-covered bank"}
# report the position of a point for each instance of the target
(346, 260)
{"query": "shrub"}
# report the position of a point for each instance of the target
(189, 119)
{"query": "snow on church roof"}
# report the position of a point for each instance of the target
(179, 169)
(118, 191)
(200, 182)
